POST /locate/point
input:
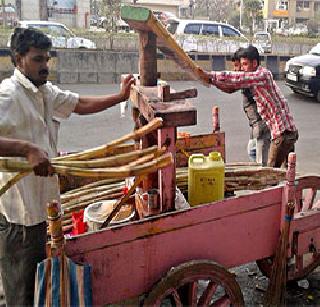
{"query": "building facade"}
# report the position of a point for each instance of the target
(180, 8)
(291, 12)
(72, 13)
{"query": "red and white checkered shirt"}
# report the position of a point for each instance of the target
(271, 104)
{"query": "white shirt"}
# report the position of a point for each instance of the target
(28, 113)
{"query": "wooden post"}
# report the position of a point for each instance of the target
(167, 180)
(148, 77)
(215, 119)
(148, 58)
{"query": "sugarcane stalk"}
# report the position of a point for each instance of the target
(117, 172)
(66, 206)
(102, 150)
(90, 191)
(147, 158)
(94, 184)
(121, 201)
(14, 165)
(84, 204)
(12, 181)
(117, 160)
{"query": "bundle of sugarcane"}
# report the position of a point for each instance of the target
(77, 199)
(241, 176)
(94, 163)
(238, 176)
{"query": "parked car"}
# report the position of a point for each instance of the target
(202, 27)
(60, 35)
(299, 29)
(263, 40)
(123, 27)
(164, 16)
(283, 31)
(224, 37)
(94, 20)
(303, 73)
(120, 25)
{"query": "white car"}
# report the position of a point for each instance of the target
(60, 35)
(206, 36)
(299, 29)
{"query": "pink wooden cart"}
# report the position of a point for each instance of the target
(173, 254)
(183, 256)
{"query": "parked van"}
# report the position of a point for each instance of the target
(202, 27)
(219, 36)
(263, 40)
(60, 35)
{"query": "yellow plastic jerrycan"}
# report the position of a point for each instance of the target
(205, 178)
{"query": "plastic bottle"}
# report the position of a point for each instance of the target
(252, 150)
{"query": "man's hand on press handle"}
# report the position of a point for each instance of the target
(126, 85)
(39, 160)
(205, 76)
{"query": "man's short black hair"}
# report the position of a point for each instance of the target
(251, 53)
(236, 56)
(23, 39)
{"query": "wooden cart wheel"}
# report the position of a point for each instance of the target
(196, 283)
(307, 198)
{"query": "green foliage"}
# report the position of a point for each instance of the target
(218, 10)
(234, 18)
(252, 13)
(110, 9)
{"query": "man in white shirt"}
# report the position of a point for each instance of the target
(29, 106)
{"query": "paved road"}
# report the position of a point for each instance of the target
(88, 131)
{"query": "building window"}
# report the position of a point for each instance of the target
(299, 6)
(282, 5)
(302, 6)
(302, 20)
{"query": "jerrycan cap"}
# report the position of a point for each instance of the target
(215, 156)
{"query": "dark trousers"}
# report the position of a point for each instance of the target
(21, 248)
(281, 147)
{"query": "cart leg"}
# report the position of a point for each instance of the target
(307, 199)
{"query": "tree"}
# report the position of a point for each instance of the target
(4, 17)
(218, 10)
(110, 9)
(313, 24)
(18, 8)
(43, 5)
(252, 12)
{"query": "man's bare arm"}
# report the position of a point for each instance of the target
(37, 157)
(94, 104)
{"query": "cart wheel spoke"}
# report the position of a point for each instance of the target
(207, 294)
(192, 293)
(185, 283)
(221, 302)
(176, 298)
